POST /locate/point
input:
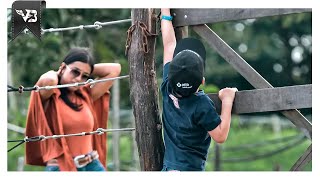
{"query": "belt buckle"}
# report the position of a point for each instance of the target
(76, 161)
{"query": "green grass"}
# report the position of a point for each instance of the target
(252, 134)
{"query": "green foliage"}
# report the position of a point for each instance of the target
(209, 88)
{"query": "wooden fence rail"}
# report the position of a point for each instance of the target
(269, 99)
(249, 73)
(187, 17)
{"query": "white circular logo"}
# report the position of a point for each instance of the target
(178, 84)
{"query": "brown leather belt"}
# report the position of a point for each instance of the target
(83, 160)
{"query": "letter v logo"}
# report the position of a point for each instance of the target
(30, 16)
(27, 14)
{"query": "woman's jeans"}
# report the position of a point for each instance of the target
(94, 165)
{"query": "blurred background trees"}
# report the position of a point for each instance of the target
(278, 47)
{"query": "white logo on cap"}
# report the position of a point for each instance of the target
(178, 85)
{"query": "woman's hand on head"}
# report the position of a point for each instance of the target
(104, 70)
(49, 78)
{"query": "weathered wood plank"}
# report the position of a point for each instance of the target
(250, 74)
(270, 99)
(186, 17)
(303, 160)
(181, 32)
(144, 93)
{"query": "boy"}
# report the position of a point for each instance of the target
(189, 115)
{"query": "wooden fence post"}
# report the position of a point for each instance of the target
(144, 90)
(217, 160)
(116, 124)
(181, 32)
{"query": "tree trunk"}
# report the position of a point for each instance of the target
(144, 92)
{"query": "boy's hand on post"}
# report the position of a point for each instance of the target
(227, 95)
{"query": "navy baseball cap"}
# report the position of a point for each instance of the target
(186, 70)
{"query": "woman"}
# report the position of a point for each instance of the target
(71, 110)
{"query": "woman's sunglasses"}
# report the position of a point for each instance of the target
(75, 73)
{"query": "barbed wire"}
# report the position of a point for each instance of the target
(92, 82)
(99, 131)
(96, 25)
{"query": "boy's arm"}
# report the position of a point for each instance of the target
(168, 36)
(220, 133)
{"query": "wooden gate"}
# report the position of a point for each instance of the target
(292, 97)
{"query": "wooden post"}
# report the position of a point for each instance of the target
(20, 165)
(134, 147)
(115, 124)
(144, 92)
(11, 96)
(217, 159)
(181, 32)
(276, 125)
(303, 160)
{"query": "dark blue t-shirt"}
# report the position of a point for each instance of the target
(186, 122)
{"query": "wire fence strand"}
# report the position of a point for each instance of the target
(96, 25)
(99, 131)
(91, 82)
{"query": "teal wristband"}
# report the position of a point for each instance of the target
(169, 18)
